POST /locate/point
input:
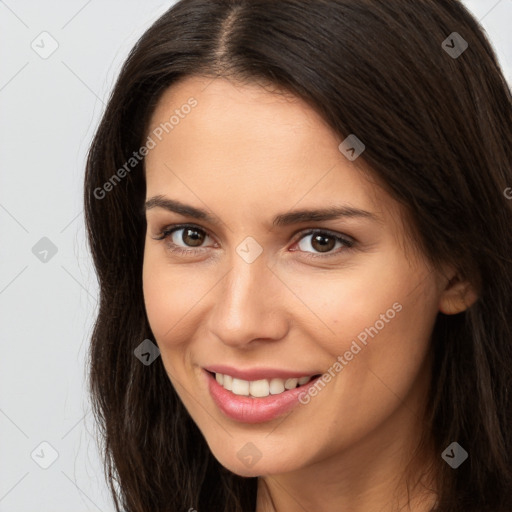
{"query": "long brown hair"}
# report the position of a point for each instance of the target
(437, 127)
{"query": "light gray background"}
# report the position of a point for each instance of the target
(49, 111)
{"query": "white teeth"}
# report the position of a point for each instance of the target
(259, 388)
(291, 383)
(240, 387)
(276, 386)
(228, 382)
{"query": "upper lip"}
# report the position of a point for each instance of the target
(259, 373)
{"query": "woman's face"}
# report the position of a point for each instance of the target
(247, 287)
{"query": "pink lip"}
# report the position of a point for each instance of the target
(259, 373)
(254, 410)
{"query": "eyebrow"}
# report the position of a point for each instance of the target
(283, 219)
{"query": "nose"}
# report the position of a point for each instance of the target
(249, 305)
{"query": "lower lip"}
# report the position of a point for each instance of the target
(254, 410)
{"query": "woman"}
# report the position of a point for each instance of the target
(299, 217)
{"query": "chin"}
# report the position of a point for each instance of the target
(242, 464)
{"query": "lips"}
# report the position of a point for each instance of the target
(253, 374)
(246, 408)
(259, 388)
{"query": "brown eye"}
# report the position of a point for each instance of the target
(183, 237)
(192, 237)
(320, 242)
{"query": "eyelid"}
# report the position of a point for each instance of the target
(168, 230)
(347, 240)
(335, 234)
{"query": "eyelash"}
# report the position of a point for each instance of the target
(348, 242)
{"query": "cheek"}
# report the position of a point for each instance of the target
(169, 294)
(169, 298)
(382, 357)
(382, 317)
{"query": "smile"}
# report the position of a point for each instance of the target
(260, 388)
(264, 397)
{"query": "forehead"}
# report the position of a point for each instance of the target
(251, 147)
(251, 115)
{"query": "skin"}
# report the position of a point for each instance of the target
(246, 154)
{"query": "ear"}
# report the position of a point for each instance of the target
(457, 296)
